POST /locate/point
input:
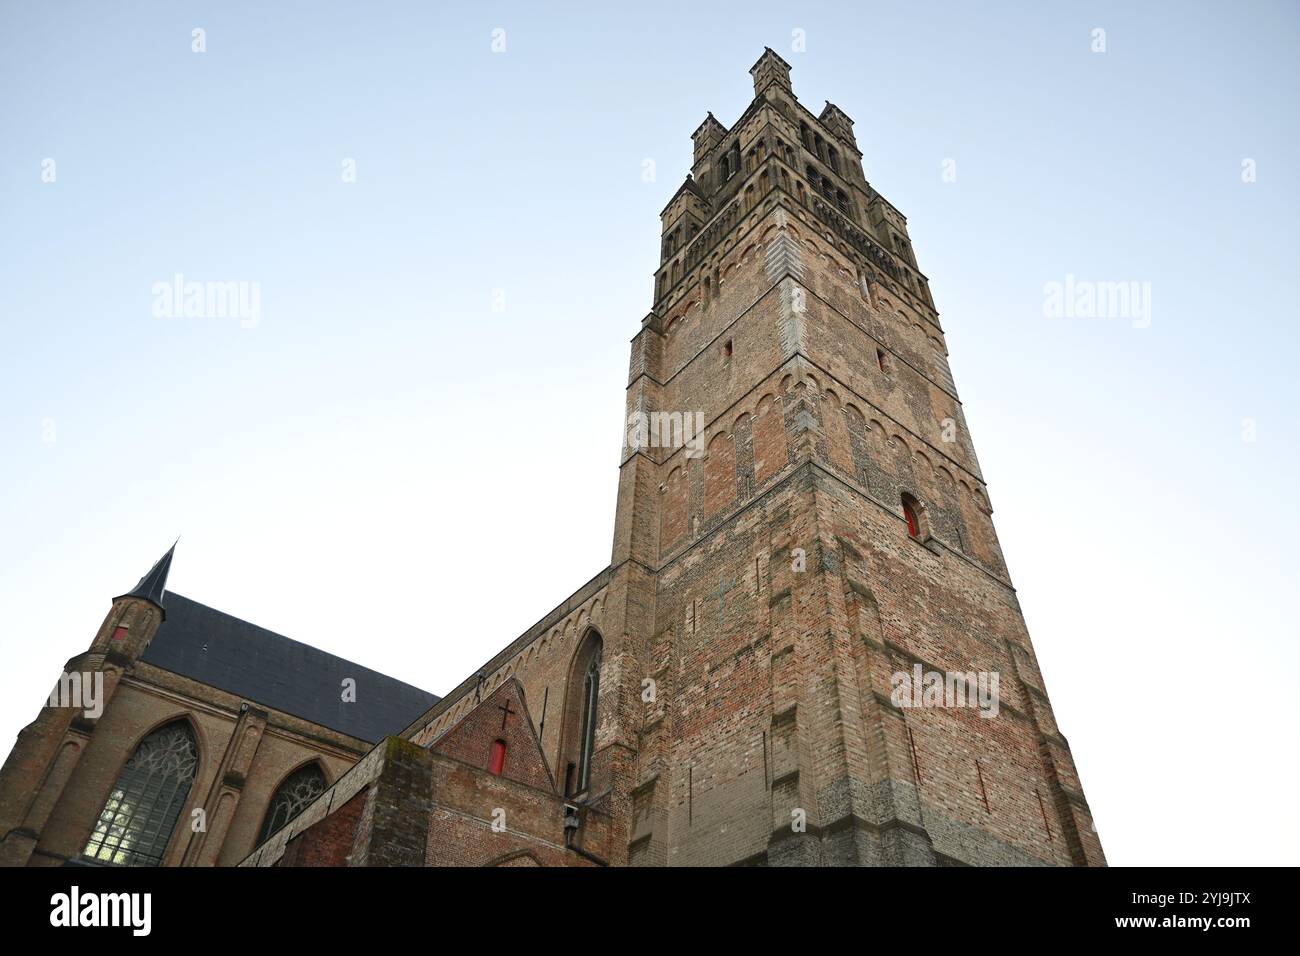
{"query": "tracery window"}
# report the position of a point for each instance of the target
(137, 820)
(295, 794)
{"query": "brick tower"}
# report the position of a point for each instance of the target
(801, 525)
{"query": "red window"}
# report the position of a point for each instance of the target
(913, 523)
(497, 762)
(880, 359)
(119, 633)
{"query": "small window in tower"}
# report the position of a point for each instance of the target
(497, 761)
(119, 633)
(912, 512)
(880, 360)
(726, 349)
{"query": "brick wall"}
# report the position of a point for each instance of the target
(328, 842)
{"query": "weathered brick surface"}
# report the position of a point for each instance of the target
(529, 823)
(328, 842)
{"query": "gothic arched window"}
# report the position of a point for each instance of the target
(590, 696)
(141, 811)
(581, 702)
(299, 789)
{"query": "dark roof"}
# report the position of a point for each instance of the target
(266, 668)
(152, 584)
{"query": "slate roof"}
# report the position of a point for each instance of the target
(274, 671)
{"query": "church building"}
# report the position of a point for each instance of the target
(805, 650)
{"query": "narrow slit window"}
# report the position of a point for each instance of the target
(912, 512)
(497, 759)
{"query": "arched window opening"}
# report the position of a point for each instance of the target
(912, 512)
(137, 820)
(582, 699)
(497, 758)
(590, 698)
(293, 797)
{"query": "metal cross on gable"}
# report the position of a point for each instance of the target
(506, 712)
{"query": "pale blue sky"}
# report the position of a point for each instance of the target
(348, 471)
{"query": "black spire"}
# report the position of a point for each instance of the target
(153, 584)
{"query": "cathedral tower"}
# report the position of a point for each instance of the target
(816, 654)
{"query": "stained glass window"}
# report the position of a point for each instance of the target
(295, 794)
(141, 811)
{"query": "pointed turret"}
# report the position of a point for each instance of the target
(153, 584)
